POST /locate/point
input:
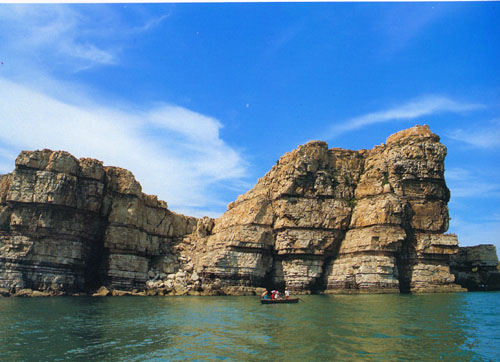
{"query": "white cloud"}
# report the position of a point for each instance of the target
(400, 27)
(408, 111)
(465, 183)
(456, 173)
(49, 29)
(476, 189)
(471, 234)
(60, 35)
(483, 137)
(174, 152)
(5, 167)
(150, 24)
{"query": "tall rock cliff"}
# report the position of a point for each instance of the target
(340, 221)
(321, 220)
(69, 225)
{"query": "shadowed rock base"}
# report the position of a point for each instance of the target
(476, 268)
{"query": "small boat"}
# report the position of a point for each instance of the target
(278, 301)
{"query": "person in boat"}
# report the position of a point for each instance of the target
(265, 295)
(277, 295)
(287, 293)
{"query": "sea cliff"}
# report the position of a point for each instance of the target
(321, 220)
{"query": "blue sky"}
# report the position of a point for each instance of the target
(200, 100)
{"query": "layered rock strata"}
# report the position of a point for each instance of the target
(69, 225)
(321, 220)
(340, 221)
(476, 267)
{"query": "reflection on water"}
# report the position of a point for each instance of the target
(458, 327)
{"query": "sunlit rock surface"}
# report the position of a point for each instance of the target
(341, 221)
(321, 220)
(68, 226)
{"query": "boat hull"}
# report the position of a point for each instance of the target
(279, 301)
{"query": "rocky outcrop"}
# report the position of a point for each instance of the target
(69, 225)
(476, 267)
(321, 220)
(340, 221)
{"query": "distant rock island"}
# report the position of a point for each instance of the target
(322, 220)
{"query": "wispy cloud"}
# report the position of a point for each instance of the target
(174, 152)
(402, 23)
(471, 233)
(482, 137)
(150, 24)
(465, 183)
(493, 217)
(53, 29)
(62, 35)
(411, 110)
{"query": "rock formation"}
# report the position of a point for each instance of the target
(476, 267)
(340, 221)
(69, 225)
(321, 220)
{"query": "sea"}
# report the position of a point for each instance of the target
(399, 327)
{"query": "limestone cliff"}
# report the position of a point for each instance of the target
(321, 220)
(340, 221)
(69, 225)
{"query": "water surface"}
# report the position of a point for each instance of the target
(450, 327)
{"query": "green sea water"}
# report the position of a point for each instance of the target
(434, 327)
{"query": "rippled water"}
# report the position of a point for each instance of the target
(453, 327)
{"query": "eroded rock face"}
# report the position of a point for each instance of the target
(321, 220)
(340, 221)
(69, 225)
